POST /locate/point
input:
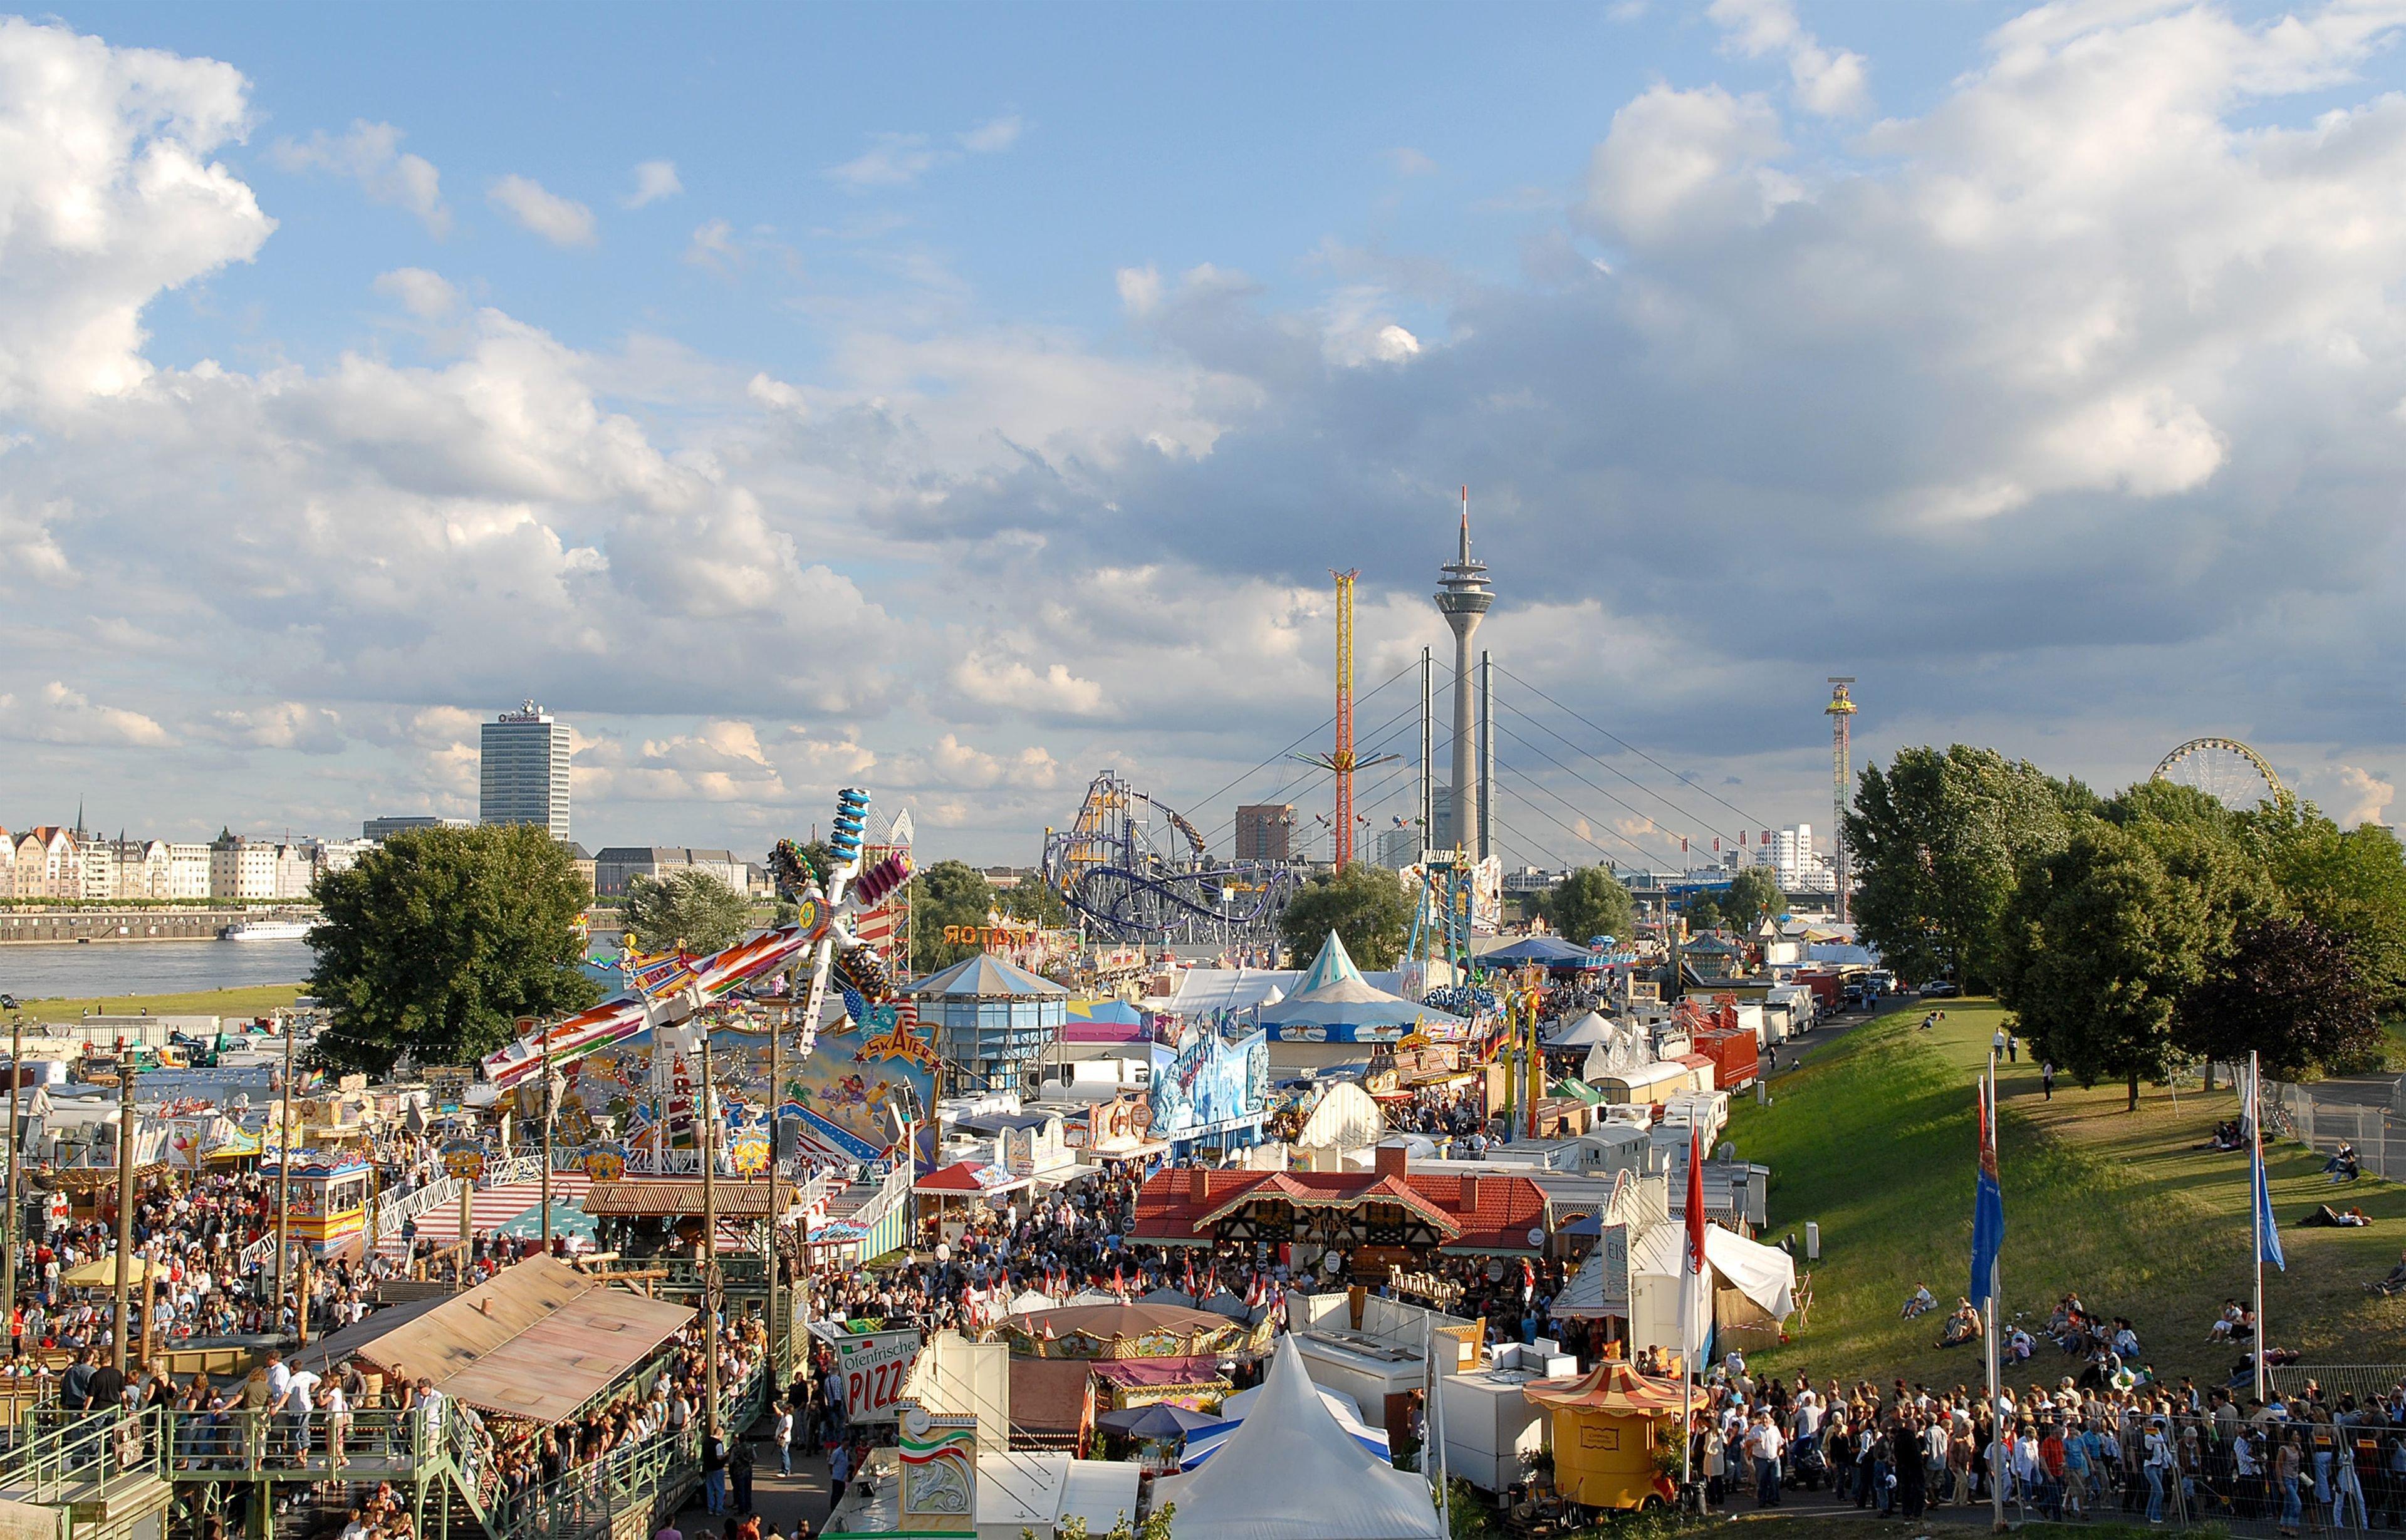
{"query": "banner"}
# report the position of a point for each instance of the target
(873, 1368)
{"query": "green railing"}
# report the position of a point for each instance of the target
(590, 1496)
(251, 1446)
(55, 1455)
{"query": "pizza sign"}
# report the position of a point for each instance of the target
(873, 1367)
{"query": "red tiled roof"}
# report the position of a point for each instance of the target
(1507, 1208)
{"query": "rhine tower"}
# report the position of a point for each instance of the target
(1463, 596)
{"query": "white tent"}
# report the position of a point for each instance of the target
(1763, 1276)
(1588, 1031)
(1032, 1299)
(1346, 1117)
(1291, 1471)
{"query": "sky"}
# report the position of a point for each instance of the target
(960, 401)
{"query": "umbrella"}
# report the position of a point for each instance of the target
(568, 1218)
(1160, 1420)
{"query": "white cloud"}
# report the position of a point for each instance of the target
(992, 136)
(281, 725)
(26, 544)
(425, 294)
(1010, 683)
(1829, 83)
(653, 180)
(1689, 164)
(562, 222)
(57, 714)
(714, 246)
(1140, 293)
(1408, 162)
(891, 159)
(106, 201)
(371, 155)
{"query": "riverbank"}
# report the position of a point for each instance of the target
(233, 1004)
(52, 925)
(140, 968)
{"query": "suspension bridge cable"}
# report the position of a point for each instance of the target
(1751, 820)
(1327, 721)
(1566, 829)
(1585, 782)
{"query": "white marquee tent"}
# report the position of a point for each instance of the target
(1290, 1472)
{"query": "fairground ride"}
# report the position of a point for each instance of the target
(1133, 868)
(2226, 770)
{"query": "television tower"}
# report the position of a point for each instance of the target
(1841, 711)
(1463, 596)
(1341, 761)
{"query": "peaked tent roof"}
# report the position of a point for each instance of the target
(985, 977)
(1551, 950)
(1587, 1032)
(1612, 1386)
(1290, 1472)
(1333, 993)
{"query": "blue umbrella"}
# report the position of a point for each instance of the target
(1160, 1420)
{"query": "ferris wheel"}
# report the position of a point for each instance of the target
(2223, 769)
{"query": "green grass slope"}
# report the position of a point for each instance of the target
(1872, 1135)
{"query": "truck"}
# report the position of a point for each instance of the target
(1737, 1057)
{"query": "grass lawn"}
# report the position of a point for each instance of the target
(255, 1000)
(1873, 1136)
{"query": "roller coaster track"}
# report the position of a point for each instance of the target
(1109, 869)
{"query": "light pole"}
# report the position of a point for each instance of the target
(284, 1170)
(710, 1290)
(124, 1199)
(8, 1222)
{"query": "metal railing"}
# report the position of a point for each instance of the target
(53, 1453)
(2375, 1132)
(245, 1446)
(590, 1496)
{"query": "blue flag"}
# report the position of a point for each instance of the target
(1988, 1210)
(2267, 1227)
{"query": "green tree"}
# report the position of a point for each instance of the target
(685, 907)
(1588, 903)
(2351, 883)
(1367, 907)
(1037, 903)
(1936, 843)
(2098, 945)
(1704, 913)
(950, 893)
(435, 944)
(1753, 893)
(2288, 991)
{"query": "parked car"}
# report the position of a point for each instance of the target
(1940, 989)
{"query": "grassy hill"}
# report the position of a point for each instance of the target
(1872, 1135)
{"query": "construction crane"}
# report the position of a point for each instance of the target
(1341, 760)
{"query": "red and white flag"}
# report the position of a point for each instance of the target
(1695, 1273)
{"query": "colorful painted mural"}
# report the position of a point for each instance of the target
(1210, 1085)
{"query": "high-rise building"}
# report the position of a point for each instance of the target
(385, 827)
(1266, 831)
(523, 778)
(1463, 596)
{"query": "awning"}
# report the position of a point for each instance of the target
(538, 1341)
(636, 1198)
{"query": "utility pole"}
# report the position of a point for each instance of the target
(776, 1213)
(124, 1199)
(284, 1170)
(706, 1115)
(549, 1096)
(8, 1222)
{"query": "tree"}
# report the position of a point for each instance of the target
(1936, 843)
(1588, 903)
(950, 893)
(2099, 945)
(436, 944)
(2352, 884)
(685, 908)
(1368, 907)
(2290, 992)
(1753, 893)
(1704, 913)
(1037, 903)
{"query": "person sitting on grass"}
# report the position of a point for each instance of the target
(2394, 1282)
(2228, 1134)
(1922, 1302)
(2227, 1323)
(1961, 1327)
(2343, 1165)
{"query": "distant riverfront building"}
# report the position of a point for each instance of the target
(523, 777)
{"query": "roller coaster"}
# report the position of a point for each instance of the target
(1135, 870)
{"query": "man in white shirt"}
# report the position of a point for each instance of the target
(296, 1403)
(1766, 1444)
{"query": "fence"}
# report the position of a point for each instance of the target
(2375, 1132)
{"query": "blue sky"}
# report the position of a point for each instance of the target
(967, 399)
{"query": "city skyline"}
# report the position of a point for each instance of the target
(988, 418)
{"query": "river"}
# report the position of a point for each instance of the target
(73, 970)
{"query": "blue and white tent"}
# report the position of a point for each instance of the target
(1333, 1003)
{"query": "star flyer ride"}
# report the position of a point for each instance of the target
(667, 990)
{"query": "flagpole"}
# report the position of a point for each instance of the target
(1996, 1294)
(2255, 1194)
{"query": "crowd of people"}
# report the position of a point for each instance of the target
(2161, 1450)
